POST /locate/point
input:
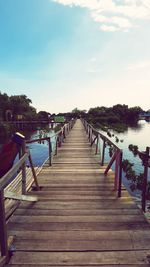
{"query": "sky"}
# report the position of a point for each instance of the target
(65, 54)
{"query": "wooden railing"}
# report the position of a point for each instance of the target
(55, 141)
(145, 157)
(24, 154)
(4, 181)
(95, 137)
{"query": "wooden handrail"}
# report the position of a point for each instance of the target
(4, 181)
(37, 140)
(117, 156)
(145, 158)
(59, 137)
(7, 178)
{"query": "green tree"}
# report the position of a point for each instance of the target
(4, 105)
(20, 104)
(43, 115)
(77, 113)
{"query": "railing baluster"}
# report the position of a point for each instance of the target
(50, 151)
(97, 143)
(116, 181)
(103, 153)
(33, 172)
(116, 156)
(3, 230)
(120, 173)
(56, 147)
(23, 170)
(145, 179)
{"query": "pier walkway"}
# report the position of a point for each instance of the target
(78, 219)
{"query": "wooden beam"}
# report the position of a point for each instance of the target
(8, 176)
(3, 230)
(15, 196)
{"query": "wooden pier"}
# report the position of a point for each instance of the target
(78, 219)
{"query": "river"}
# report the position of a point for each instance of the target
(139, 136)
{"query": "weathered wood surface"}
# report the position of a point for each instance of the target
(78, 220)
(15, 187)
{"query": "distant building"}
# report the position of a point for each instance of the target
(19, 117)
(8, 115)
(144, 115)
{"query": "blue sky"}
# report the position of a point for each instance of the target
(76, 53)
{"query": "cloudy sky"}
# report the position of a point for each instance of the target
(76, 53)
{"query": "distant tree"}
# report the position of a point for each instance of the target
(43, 115)
(4, 105)
(120, 110)
(77, 113)
(118, 115)
(20, 104)
(133, 114)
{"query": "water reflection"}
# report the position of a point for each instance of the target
(140, 136)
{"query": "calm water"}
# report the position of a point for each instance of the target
(139, 136)
(39, 151)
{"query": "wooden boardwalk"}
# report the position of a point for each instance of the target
(78, 220)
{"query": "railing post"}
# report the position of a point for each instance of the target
(64, 134)
(116, 181)
(120, 174)
(103, 153)
(33, 172)
(91, 136)
(50, 151)
(56, 145)
(3, 230)
(97, 143)
(145, 179)
(86, 126)
(59, 139)
(23, 169)
(89, 132)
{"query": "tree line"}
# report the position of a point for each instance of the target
(19, 105)
(119, 116)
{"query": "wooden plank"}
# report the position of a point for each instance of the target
(79, 212)
(82, 235)
(84, 245)
(67, 197)
(73, 219)
(79, 226)
(15, 196)
(81, 205)
(82, 193)
(101, 265)
(81, 258)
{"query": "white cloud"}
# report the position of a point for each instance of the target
(107, 28)
(141, 65)
(117, 15)
(93, 59)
